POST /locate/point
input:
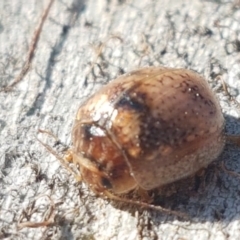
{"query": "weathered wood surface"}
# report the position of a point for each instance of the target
(199, 35)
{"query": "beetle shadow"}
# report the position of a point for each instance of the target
(212, 196)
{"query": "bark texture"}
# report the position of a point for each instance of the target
(83, 45)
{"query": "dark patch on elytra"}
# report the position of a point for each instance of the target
(86, 128)
(129, 103)
(165, 133)
(106, 183)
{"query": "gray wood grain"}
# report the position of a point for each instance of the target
(199, 35)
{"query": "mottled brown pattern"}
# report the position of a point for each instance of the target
(148, 128)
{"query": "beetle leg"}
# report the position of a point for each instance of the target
(146, 205)
(235, 139)
(144, 194)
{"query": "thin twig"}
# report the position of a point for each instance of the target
(45, 223)
(99, 50)
(31, 51)
(225, 88)
(231, 173)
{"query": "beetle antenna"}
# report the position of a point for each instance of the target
(67, 157)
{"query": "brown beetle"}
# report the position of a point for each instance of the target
(146, 129)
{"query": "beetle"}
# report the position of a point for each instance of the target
(146, 129)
